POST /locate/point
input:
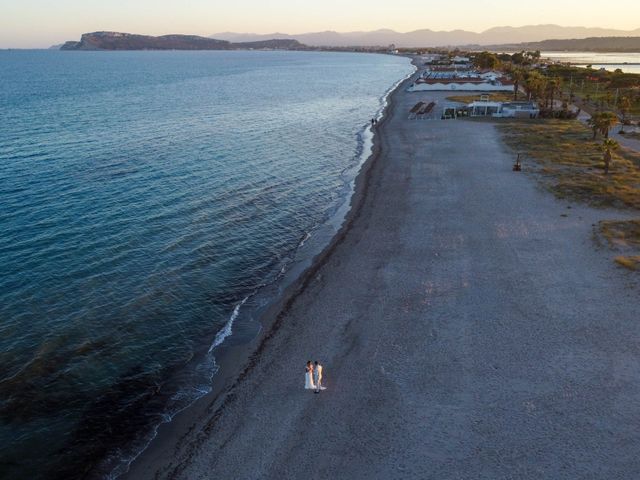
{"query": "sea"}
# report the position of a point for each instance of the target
(152, 204)
(627, 62)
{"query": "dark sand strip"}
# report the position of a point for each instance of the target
(468, 328)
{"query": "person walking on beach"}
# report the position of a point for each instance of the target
(308, 377)
(317, 376)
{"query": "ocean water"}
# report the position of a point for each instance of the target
(145, 198)
(627, 62)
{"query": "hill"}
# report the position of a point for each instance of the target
(129, 41)
(592, 44)
(433, 38)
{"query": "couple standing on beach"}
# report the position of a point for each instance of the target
(313, 377)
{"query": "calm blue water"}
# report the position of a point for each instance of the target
(143, 196)
(627, 62)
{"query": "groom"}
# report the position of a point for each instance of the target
(317, 376)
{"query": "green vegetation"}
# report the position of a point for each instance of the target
(602, 122)
(596, 90)
(542, 88)
(575, 166)
(608, 147)
(621, 234)
(624, 107)
(570, 158)
(502, 60)
(572, 164)
(523, 58)
(592, 90)
(624, 237)
(486, 60)
(631, 262)
(556, 86)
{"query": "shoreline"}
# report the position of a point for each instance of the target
(235, 361)
(467, 326)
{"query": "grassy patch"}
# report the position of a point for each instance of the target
(602, 96)
(621, 234)
(571, 163)
(631, 262)
(493, 97)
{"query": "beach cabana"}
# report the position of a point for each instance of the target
(484, 109)
(520, 110)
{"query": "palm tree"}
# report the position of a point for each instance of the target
(517, 76)
(535, 85)
(594, 124)
(552, 87)
(606, 121)
(609, 98)
(625, 106)
(608, 147)
(602, 122)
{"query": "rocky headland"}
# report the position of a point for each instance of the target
(129, 41)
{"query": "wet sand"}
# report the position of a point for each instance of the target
(468, 325)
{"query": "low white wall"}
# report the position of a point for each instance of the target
(459, 87)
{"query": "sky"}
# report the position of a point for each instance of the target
(41, 23)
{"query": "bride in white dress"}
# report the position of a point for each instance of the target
(308, 377)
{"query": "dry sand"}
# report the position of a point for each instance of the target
(469, 329)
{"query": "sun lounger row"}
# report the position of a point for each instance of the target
(422, 108)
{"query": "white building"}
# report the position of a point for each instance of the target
(454, 78)
(503, 109)
(484, 109)
(520, 110)
(458, 59)
(463, 84)
(491, 75)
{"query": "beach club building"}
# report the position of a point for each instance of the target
(484, 109)
(503, 109)
(520, 110)
(460, 85)
(452, 79)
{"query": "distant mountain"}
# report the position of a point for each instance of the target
(591, 44)
(514, 38)
(431, 38)
(129, 41)
(539, 33)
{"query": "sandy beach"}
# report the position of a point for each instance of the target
(468, 325)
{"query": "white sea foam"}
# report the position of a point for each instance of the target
(228, 327)
(325, 229)
(304, 240)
